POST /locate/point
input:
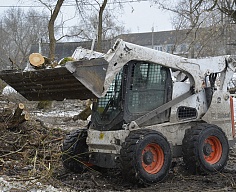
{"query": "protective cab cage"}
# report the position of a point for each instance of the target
(149, 86)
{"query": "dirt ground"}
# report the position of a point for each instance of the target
(30, 155)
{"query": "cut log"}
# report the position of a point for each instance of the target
(27, 116)
(36, 59)
(17, 122)
(13, 118)
(83, 115)
(18, 110)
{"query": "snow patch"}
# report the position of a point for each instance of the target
(8, 184)
(8, 90)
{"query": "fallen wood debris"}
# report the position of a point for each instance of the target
(83, 115)
(12, 118)
(37, 61)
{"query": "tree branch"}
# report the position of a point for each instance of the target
(74, 35)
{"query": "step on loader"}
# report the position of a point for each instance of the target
(148, 107)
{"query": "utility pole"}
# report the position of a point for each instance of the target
(40, 44)
(152, 37)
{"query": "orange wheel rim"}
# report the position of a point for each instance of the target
(212, 150)
(152, 158)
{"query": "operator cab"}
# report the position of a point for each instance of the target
(138, 88)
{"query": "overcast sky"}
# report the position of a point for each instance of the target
(141, 17)
(137, 17)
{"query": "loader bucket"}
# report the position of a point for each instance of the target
(76, 80)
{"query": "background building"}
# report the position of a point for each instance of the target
(188, 43)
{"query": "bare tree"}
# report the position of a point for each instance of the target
(100, 14)
(97, 14)
(228, 7)
(81, 7)
(88, 29)
(202, 21)
(54, 10)
(19, 30)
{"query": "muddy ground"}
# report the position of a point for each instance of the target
(30, 159)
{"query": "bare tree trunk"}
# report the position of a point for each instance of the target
(193, 25)
(102, 8)
(52, 39)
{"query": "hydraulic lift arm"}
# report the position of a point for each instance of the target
(196, 69)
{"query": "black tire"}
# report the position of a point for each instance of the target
(145, 157)
(205, 149)
(75, 151)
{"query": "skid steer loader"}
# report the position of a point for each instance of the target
(148, 107)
